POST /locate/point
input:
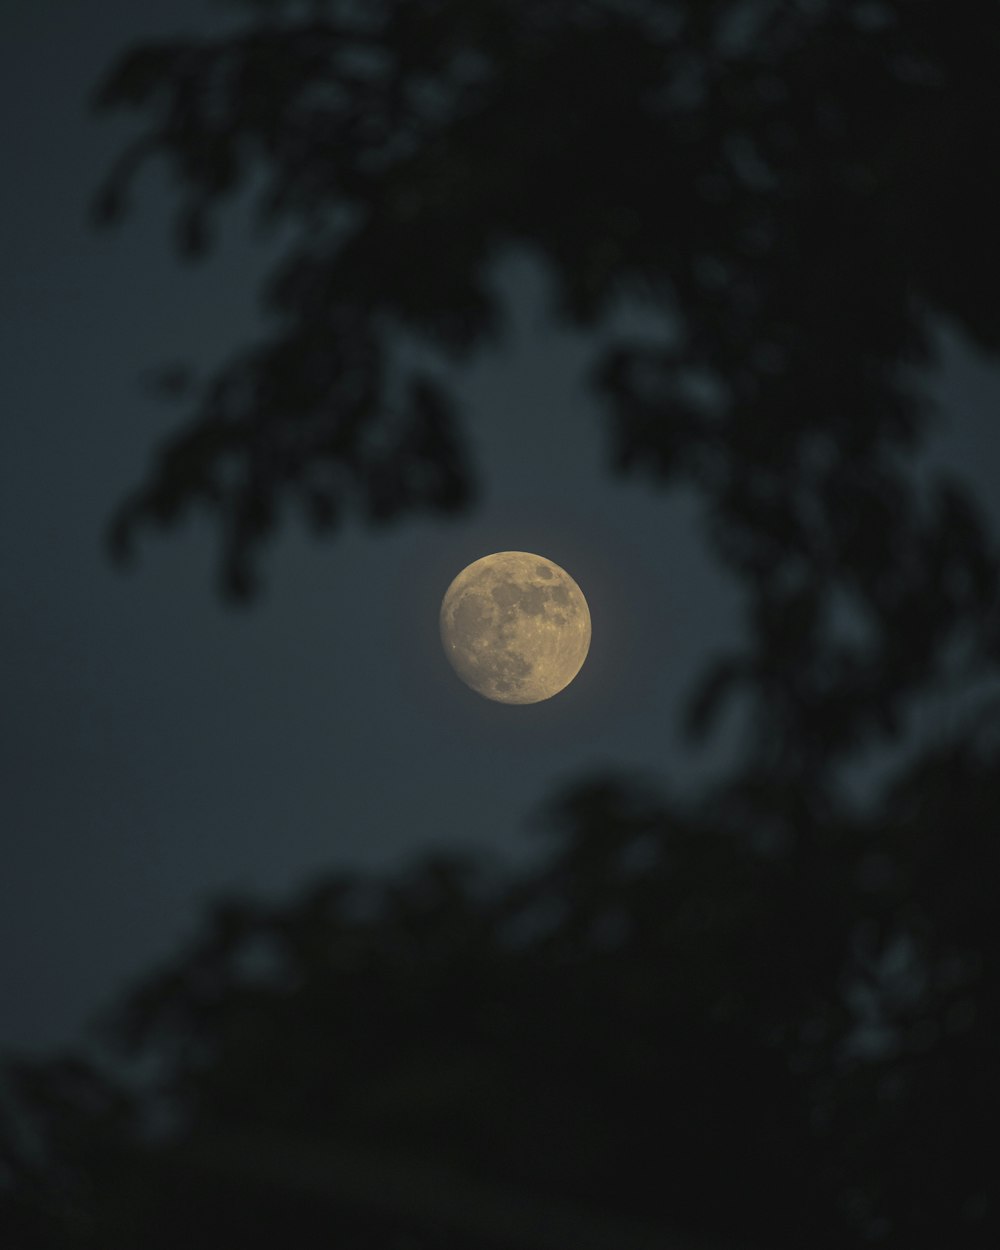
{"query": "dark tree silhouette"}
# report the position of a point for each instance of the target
(800, 188)
(763, 1018)
(663, 1036)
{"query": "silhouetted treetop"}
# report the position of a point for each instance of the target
(669, 1023)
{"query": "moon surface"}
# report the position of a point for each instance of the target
(515, 627)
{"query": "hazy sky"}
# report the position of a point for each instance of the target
(159, 748)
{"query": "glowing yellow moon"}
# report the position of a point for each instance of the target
(515, 627)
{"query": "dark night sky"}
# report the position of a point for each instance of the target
(159, 748)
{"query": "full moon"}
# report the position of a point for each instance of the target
(515, 627)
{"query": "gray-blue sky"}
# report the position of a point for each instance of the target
(157, 748)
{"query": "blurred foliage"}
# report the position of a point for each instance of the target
(764, 1017)
(663, 1022)
(798, 188)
